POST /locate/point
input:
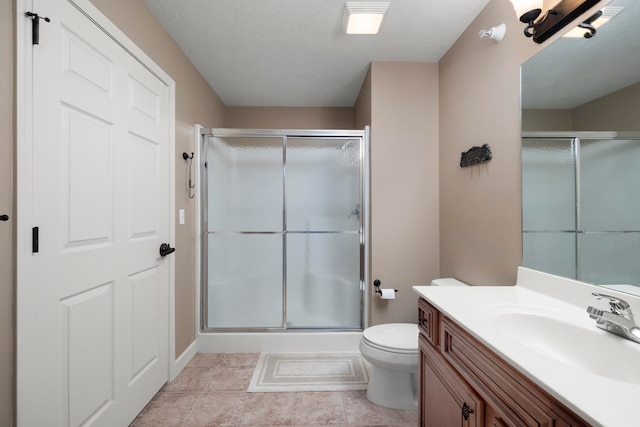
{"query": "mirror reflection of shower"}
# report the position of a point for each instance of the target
(580, 199)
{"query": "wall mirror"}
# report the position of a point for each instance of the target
(581, 154)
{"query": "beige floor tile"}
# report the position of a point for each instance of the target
(323, 408)
(211, 391)
(167, 410)
(217, 409)
(241, 359)
(191, 379)
(360, 411)
(272, 409)
(206, 360)
(230, 379)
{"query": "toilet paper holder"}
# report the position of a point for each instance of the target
(377, 284)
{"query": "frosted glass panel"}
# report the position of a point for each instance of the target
(548, 185)
(245, 183)
(323, 280)
(283, 205)
(244, 281)
(610, 258)
(610, 185)
(553, 253)
(323, 184)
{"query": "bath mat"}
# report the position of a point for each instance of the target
(317, 371)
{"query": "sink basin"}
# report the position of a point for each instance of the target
(569, 339)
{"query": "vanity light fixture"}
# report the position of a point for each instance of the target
(541, 25)
(364, 17)
(594, 22)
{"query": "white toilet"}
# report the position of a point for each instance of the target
(392, 350)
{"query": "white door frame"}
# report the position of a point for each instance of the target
(24, 151)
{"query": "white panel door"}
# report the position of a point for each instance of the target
(97, 306)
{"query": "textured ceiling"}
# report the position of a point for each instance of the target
(294, 52)
(571, 72)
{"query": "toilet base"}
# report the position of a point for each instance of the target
(393, 389)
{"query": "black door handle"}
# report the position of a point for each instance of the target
(165, 249)
(4, 217)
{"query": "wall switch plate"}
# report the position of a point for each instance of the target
(181, 216)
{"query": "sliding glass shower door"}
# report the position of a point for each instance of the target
(283, 230)
(244, 232)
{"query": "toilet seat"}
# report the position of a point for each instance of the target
(400, 338)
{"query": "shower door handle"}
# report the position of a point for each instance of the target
(166, 249)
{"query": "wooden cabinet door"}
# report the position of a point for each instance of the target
(445, 398)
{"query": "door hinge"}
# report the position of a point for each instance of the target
(35, 25)
(35, 239)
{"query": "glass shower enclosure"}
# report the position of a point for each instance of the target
(581, 204)
(283, 220)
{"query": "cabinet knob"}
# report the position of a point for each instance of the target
(424, 321)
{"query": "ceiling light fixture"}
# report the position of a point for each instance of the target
(541, 26)
(364, 17)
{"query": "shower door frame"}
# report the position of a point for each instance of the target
(363, 230)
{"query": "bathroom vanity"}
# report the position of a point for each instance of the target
(524, 355)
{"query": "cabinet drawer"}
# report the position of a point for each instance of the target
(428, 321)
(516, 400)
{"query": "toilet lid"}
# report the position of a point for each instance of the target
(399, 336)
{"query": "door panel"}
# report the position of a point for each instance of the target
(87, 174)
(101, 199)
(143, 193)
(87, 319)
(144, 333)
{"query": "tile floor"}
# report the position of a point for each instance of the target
(211, 391)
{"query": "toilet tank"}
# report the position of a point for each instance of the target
(447, 282)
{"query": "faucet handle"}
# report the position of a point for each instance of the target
(618, 306)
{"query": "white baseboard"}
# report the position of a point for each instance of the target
(246, 342)
(182, 360)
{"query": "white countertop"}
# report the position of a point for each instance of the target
(592, 392)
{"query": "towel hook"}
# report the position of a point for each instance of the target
(190, 186)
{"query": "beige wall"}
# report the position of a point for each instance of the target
(480, 206)
(7, 229)
(619, 111)
(404, 183)
(362, 107)
(547, 120)
(289, 118)
(196, 103)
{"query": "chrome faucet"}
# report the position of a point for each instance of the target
(619, 320)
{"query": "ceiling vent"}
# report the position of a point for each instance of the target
(364, 17)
